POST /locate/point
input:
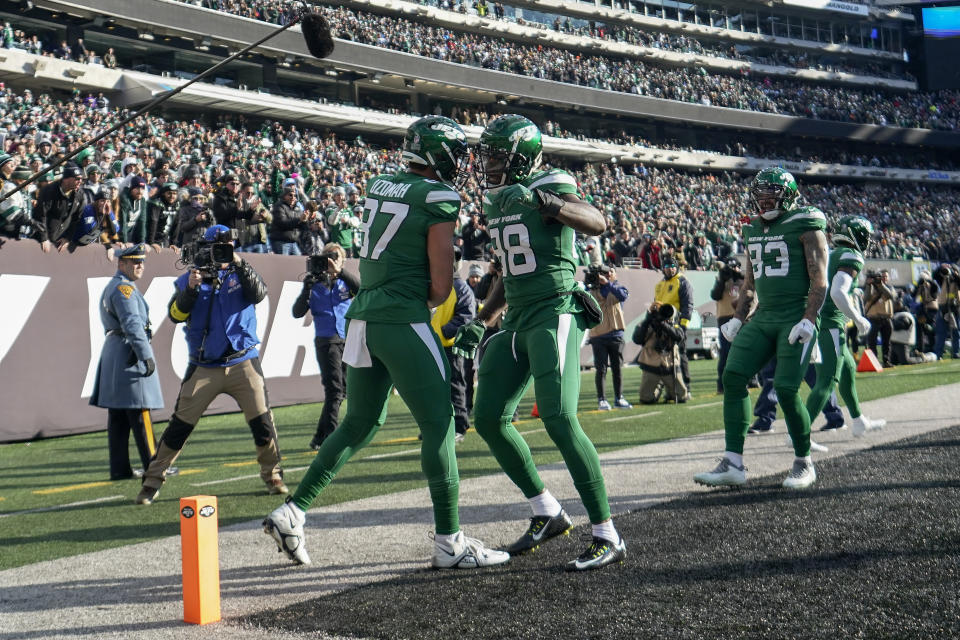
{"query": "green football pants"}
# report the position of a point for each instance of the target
(753, 348)
(411, 358)
(549, 355)
(836, 369)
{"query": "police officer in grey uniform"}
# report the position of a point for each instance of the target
(126, 381)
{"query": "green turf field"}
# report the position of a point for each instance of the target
(81, 511)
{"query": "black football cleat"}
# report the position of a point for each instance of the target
(599, 554)
(541, 529)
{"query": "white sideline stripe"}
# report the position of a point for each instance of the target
(637, 416)
(62, 506)
(705, 404)
(247, 477)
(391, 455)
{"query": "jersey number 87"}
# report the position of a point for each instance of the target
(396, 210)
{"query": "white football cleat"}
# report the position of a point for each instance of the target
(801, 476)
(285, 525)
(863, 424)
(726, 474)
(814, 446)
(466, 553)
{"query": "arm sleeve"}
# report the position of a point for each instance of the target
(351, 280)
(617, 290)
(254, 288)
(838, 293)
(718, 287)
(182, 302)
(302, 304)
(685, 292)
(640, 333)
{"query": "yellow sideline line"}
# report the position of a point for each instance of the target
(72, 487)
(190, 472)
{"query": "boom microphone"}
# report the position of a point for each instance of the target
(316, 33)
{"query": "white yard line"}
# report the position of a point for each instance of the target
(634, 416)
(62, 506)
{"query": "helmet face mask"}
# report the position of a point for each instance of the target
(441, 144)
(510, 150)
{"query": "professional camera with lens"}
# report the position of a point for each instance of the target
(206, 257)
(730, 269)
(592, 276)
(318, 266)
(661, 321)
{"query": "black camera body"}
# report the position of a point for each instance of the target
(318, 267)
(592, 276)
(206, 257)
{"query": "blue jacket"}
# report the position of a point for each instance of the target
(328, 306)
(221, 323)
(126, 318)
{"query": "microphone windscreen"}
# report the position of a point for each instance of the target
(316, 33)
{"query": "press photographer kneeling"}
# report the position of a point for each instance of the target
(659, 337)
(327, 293)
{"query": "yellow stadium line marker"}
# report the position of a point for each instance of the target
(395, 441)
(190, 472)
(73, 487)
(2, 498)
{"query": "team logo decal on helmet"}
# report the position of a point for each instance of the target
(441, 144)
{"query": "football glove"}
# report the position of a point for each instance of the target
(802, 331)
(731, 328)
(151, 366)
(468, 339)
(506, 198)
(862, 325)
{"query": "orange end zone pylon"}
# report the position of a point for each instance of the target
(869, 362)
(201, 559)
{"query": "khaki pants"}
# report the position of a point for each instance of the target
(651, 383)
(244, 383)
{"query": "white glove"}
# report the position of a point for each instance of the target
(731, 329)
(802, 331)
(862, 325)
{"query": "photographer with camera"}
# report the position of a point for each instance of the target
(659, 337)
(948, 277)
(606, 338)
(926, 295)
(726, 292)
(677, 291)
(878, 297)
(327, 293)
(216, 300)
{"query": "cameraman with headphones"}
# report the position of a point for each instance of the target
(327, 292)
(216, 302)
(659, 337)
(726, 291)
(606, 338)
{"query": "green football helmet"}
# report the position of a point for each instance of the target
(775, 183)
(854, 232)
(441, 144)
(510, 149)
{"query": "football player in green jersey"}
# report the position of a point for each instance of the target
(532, 216)
(406, 267)
(787, 273)
(837, 368)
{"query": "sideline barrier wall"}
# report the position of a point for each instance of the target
(51, 336)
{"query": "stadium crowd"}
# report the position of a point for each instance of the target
(754, 92)
(164, 181)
